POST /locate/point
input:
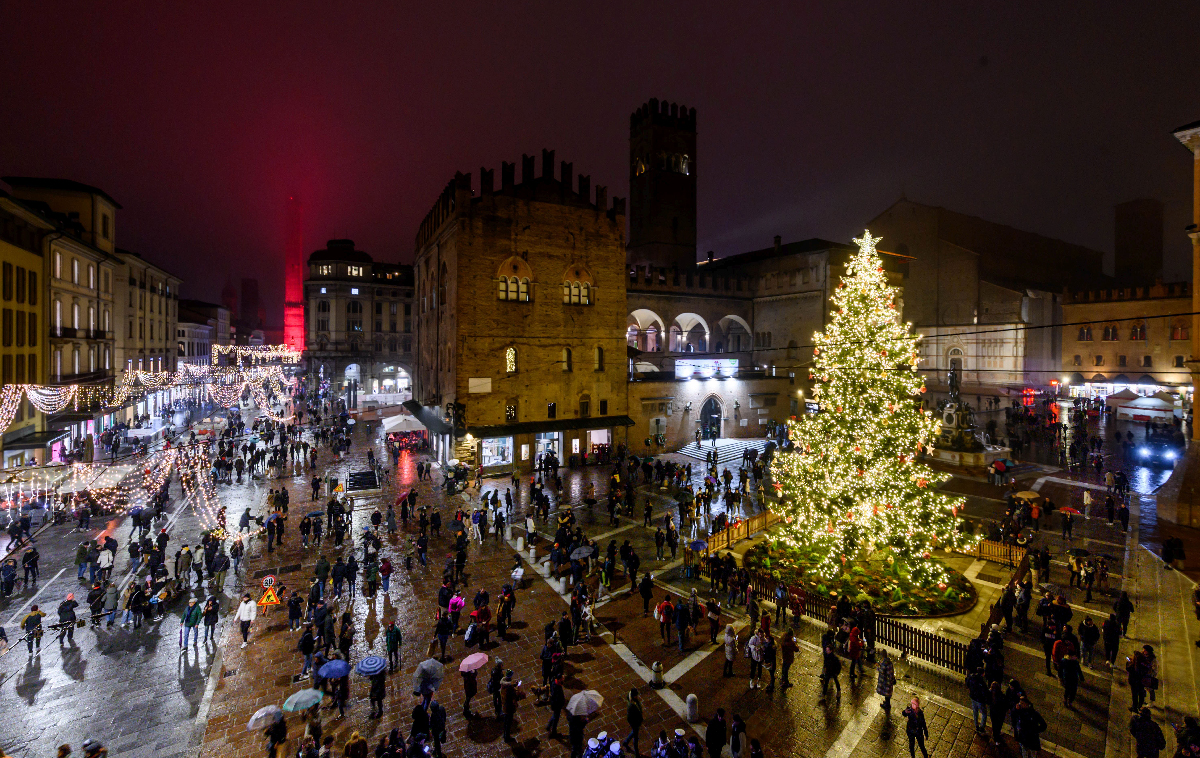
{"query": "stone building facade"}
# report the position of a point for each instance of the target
(521, 302)
(1127, 337)
(359, 325)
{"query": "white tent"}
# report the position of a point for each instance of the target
(1120, 398)
(1146, 408)
(401, 424)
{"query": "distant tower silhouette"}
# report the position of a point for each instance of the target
(252, 312)
(662, 186)
(293, 293)
(229, 299)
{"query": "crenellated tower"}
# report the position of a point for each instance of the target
(662, 186)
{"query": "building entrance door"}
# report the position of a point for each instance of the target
(710, 419)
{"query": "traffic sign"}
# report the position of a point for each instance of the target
(268, 581)
(269, 597)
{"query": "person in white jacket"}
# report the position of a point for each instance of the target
(246, 613)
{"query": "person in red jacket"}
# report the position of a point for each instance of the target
(854, 652)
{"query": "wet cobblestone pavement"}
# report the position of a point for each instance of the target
(142, 696)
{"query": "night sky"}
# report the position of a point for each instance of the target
(813, 117)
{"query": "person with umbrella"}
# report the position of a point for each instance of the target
(470, 679)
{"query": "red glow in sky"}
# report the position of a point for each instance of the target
(202, 119)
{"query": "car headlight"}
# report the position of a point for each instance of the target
(1170, 455)
(1143, 452)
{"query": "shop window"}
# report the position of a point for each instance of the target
(497, 451)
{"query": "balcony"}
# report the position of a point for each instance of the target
(84, 377)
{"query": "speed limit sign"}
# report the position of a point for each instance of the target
(268, 581)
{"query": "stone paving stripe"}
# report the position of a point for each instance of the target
(36, 595)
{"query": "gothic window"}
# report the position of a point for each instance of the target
(1137, 331)
(1085, 334)
(1179, 330)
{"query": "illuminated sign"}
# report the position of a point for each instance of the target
(705, 368)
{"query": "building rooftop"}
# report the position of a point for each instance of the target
(342, 251)
(68, 185)
(802, 247)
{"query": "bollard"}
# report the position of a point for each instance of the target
(532, 553)
(544, 568)
(520, 543)
(656, 676)
(563, 587)
(508, 533)
(693, 709)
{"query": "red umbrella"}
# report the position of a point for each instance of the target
(1069, 509)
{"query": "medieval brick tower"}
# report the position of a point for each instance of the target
(293, 293)
(662, 186)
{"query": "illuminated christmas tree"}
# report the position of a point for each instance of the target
(852, 485)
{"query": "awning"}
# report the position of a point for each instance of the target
(430, 417)
(1077, 378)
(1099, 378)
(402, 424)
(1121, 379)
(549, 425)
(1147, 379)
(36, 441)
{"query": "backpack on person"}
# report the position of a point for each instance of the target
(469, 635)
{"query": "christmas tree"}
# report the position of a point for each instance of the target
(852, 486)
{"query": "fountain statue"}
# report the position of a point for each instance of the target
(959, 442)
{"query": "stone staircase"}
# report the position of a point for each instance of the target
(729, 451)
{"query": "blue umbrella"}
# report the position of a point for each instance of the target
(698, 545)
(272, 517)
(303, 700)
(371, 665)
(334, 670)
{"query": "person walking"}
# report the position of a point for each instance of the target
(189, 620)
(306, 647)
(66, 615)
(633, 715)
(916, 728)
(1028, 726)
(1147, 735)
(31, 625)
(731, 648)
(715, 734)
(558, 701)
(1123, 607)
(470, 690)
(831, 669)
(247, 611)
(210, 613)
(788, 647)
(885, 681)
(1111, 632)
(376, 694)
(393, 640)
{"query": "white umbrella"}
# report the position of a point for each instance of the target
(585, 703)
(265, 716)
(428, 676)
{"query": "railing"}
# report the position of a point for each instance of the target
(928, 646)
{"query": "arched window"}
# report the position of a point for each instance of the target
(566, 359)
(353, 308)
(322, 306)
(578, 286)
(513, 288)
(1138, 331)
(1085, 334)
(1179, 330)
(75, 316)
(107, 358)
(510, 360)
(599, 358)
(586, 296)
(75, 361)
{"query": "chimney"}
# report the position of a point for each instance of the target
(711, 254)
(778, 242)
(508, 172)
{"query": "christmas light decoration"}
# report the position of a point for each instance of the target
(852, 484)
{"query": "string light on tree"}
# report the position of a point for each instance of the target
(852, 483)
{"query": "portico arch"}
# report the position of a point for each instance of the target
(735, 334)
(645, 330)
(689, 334)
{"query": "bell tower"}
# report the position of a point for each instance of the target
(662, 186)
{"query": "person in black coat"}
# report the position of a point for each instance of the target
(575, 727)
(716, 734)
(558, 701)
(916, 728)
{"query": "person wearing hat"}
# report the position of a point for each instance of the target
(189, 620)
(511, 694)
(593, 748)
(66, 615)
(32, 626)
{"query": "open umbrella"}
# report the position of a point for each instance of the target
(473, 662)
(428, 676)
(1069, 509)
(271, 518)
(580, 553)
(371, 665)
(335, 669)
(1029, 495)
(264, 717)
(1079, 552)
(698, 545)
(316, 514)
(585, 703)
(303, 700)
